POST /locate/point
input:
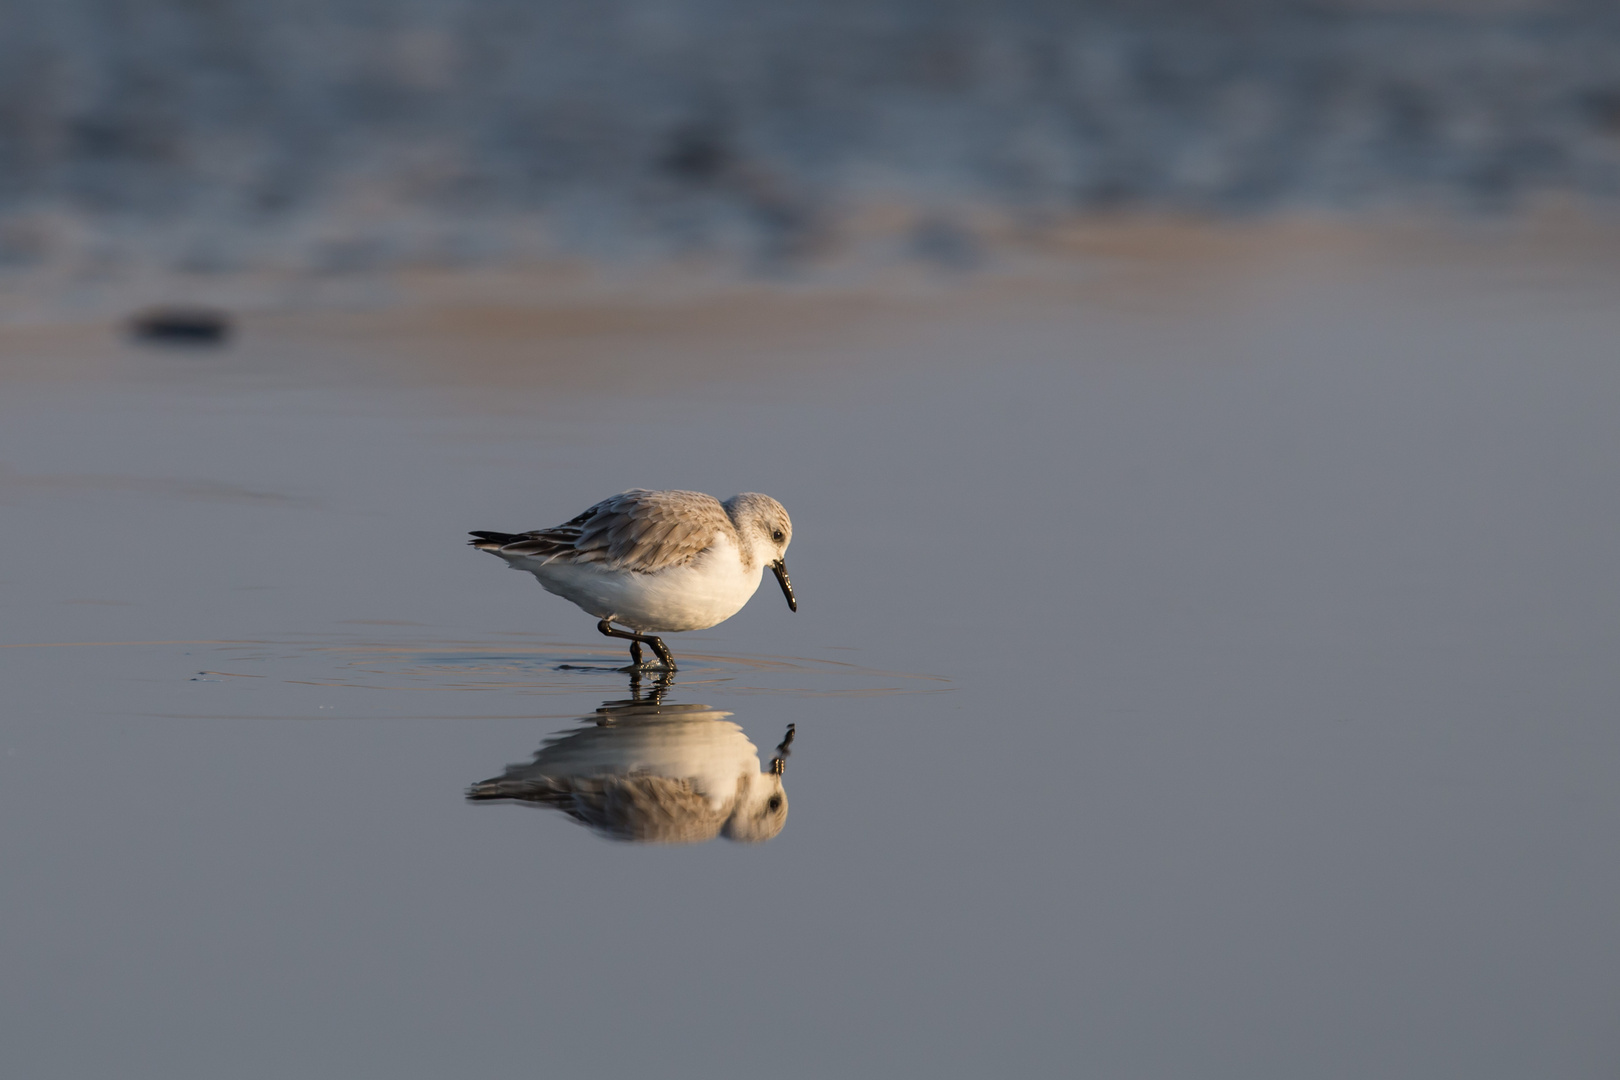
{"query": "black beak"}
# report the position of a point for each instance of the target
(779, 568)
(779, 762)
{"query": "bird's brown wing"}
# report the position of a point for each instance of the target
(638, 530)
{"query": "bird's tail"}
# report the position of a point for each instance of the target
(491, 541)
(498, 788)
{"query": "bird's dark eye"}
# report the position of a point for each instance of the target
(775, 802)
(777, 536)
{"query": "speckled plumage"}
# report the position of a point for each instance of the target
(639, 530)
(656, 561)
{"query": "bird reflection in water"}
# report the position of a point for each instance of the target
(652, 773)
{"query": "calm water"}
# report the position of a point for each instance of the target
(1203, 668)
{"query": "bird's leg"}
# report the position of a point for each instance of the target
(635, 654)
(662, 650)
(637, 640)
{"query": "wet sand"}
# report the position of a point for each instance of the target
(1203, 665)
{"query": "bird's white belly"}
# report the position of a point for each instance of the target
(707, 591)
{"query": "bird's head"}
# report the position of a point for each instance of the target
(766, 531)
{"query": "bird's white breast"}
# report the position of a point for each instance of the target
(693, 596)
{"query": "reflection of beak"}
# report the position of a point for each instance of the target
(779, 762)
(779, 567)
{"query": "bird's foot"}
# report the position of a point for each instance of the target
(665, 660)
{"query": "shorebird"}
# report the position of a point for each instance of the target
(656, 561)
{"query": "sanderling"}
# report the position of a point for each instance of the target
(656, 560)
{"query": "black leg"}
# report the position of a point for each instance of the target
(662, 650)
(635, 654)
(637, 640)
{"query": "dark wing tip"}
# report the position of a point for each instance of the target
(491, 539)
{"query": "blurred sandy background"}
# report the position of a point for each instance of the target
(352, 155)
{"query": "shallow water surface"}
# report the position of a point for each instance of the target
(1204, 666)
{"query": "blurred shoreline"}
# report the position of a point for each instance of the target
(289, 156)
(586, 322)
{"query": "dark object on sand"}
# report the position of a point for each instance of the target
(187, 326)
